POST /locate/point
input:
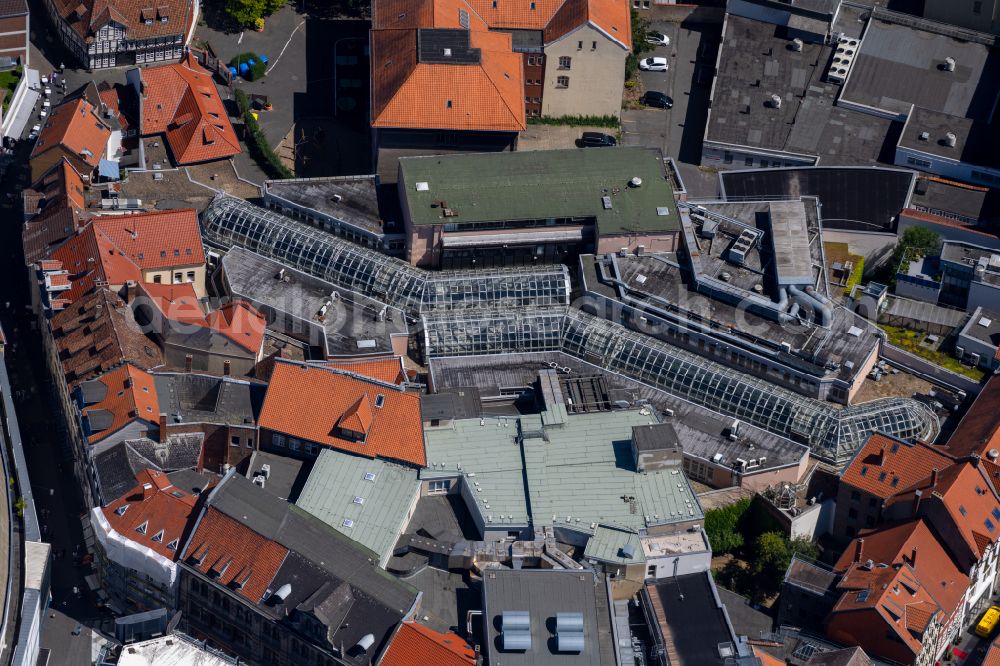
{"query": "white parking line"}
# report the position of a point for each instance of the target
(275, 61)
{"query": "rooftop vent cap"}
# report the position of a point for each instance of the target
(949, 64)
(447, 53)
(950, 139)
(797, 44)
(924, 136)
(635, 182)
(993, 454)
(423, 186)
(776, 101)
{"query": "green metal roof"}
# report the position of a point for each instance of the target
(606, 546)
(338, 478)
(573, 475)
(541, 184)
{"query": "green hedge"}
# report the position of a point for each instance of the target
(260, 149)
(257, 70)
(724, 526)
(577, 121)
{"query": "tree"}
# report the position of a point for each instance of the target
(271, 6)
(771, 555)
(915, 242)
(723, 526)
(246, 12)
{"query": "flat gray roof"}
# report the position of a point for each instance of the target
(974, 140)
(354, 200)
(965, 253)
(899, 64)
(984, 325)
(808, 122)
(790, 235)
(935, 195)
(351, 322)
(543, 593)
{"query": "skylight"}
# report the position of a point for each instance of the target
(370, 476)
(142, 528)
(120, 511)
(359, 500)
(172, 545)
(348, 522)
(158, 537)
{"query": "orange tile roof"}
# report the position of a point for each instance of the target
(992, 657)
(156, 239)
(131, 395)
(77, 126)
(388, 370)
(885, 466)
(915, 544)
(91, 257)
(309, 402)
(156, 517)
(611, 17)
(972, 504)
(517, 14)
(417, 645)
(237, 320)
(236, 553)
(895, 597)
(765, 658)
(181, 100)
(979, 429)
(410, 94)
(97, 13)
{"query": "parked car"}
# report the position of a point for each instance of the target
(35, 130)
(658, 99)
(657, 38)
(597, 139)
(653, 64)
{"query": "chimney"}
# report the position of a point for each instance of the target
(130, 290)
(859, 549)
(917, 495)
(188, 362)
(163, 427)
(225, 368)
(147, 491)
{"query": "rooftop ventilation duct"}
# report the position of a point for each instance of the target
(366, 642)
(950, 139)
(797, 44)
(569, 632)
(948, 65)
(776, 101)
(516, 629)
(283, 592)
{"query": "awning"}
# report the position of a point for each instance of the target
(108, 169)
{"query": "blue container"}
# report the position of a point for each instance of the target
(244, 68)
(264, 59)
(251, 62)
(232, 70)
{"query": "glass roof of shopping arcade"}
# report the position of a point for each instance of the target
(231, 221)
(833, 434)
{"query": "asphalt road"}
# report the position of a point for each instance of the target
(678, 132)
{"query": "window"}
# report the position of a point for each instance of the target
(593, 46)
(190, 276)
(989, 525)
(312, 449)
(579, 46)
(565, 62)
(157, 279)
(449, 103)
(651, 571)
(178, 277)
(120, 511)
(278, 440)
(358, 499)
(855, 495)
(977, 7)
(234, 441)
(513, 534)
(294, 444)
(727, 158)
(852, 513)
(961, 509)
(142, 528)
(371, 476)
(440, 486)
(562, 82)
(379, 401)
(158, 537)
(172, 545)
(249, 442)
(996, 514)
(923, 164)
(348, 523)
(463, 18)
(749, 161)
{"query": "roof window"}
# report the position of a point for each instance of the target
(158, 537)
(370, 476)
(142, 528)
(120, 511)
(173, 545)
(359, 500)
(348, 523)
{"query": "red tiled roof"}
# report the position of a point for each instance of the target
(239, 556)
(131, 395)
(885, 466)
(915, 544)
(96, 14)
(97, 333)
(311, 402)
(77, 126)
(156, 239)
(114, 249)
(417, 645)
(611, 17)
(979, 429)
(972, 503)
(944, 222)
(412, 94)
(992, 657)
(237, 320)
(111, 97)
(156, 517)
(389, 370)
(181, 101)
(894, 599)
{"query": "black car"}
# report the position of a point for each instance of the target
(654, 98)
(597, 139)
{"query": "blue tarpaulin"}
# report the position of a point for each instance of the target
(108, 169)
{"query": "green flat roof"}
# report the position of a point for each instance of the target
(338, 478)
(575, 476)
(541, 184)
(607, 543)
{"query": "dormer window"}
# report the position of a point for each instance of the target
(158, 537)
(120, 511)
(142, 528)
(172, 545)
